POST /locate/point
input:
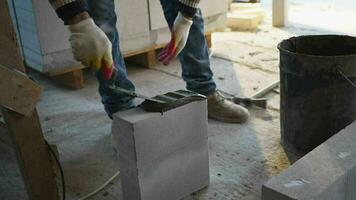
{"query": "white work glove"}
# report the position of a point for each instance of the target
(91, 46)
(179, 37)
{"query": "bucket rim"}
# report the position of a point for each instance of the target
(314, 56)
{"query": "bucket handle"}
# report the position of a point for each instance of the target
(339, 71)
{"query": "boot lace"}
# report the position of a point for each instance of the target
(219, 97)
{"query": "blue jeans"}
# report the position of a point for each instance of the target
(194, 58)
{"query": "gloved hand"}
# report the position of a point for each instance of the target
(91, 47)
(180, 33)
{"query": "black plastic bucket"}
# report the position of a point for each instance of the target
(318, 98)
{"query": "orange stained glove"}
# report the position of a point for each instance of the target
(179, 37)
(107, 70)
(91, 47)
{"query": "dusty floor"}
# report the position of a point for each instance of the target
(242, 157)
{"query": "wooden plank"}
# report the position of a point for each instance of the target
(25, 131)
(6, 47)
(147, 56)
(65, 70)
(147, 59)
(18, 92)
(73, 79)
(140, 51)
(33, 155)
(209, 40)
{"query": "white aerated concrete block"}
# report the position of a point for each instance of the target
(326, 173)
(162, 156)
(259, 12)
(351, 186)
(244, 6)
(242, 21)
(210, 8)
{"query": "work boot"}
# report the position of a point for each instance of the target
(223, 110)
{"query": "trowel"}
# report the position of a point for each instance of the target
(159, 103)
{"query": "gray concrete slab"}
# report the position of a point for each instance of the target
(351, 184)
(325, 173)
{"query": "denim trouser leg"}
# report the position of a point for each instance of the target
(103, 13)
(195, 56)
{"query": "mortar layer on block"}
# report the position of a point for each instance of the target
(326, 173)
(162, 156)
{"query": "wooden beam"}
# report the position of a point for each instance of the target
(32, 155)
(6, 52)
(147, 59)
(10, 55)
(18, 92)
(25, 131)
(73, 79)
(65, 70)
(136, 52)
(209, 41)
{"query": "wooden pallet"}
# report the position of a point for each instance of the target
(72, 77)
(148, 57)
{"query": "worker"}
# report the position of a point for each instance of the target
(95, 43)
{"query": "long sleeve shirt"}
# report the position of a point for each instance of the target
(68, 8)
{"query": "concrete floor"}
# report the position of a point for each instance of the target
(242, 157)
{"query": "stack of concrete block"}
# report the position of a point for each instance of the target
(44, 38)
(154, 30)
(245, 16)
(133, 24)
(162, 156)
(326, 173)
(42, 35)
